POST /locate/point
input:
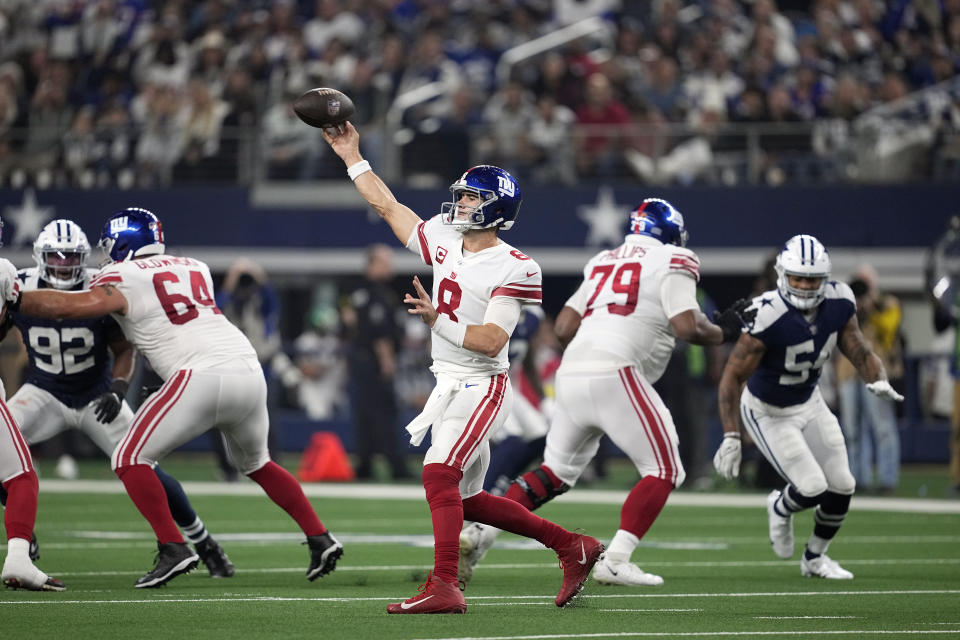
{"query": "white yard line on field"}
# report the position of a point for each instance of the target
(579, 496)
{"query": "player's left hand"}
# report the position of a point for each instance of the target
(883, 389)
(109, 404)
(735, 318)
(727, 459)
(421, 305)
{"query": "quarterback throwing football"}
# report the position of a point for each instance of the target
(479, 285)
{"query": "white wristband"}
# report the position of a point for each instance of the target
(732, 434)
(357, 169)
(449, 330)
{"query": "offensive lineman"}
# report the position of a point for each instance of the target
(479, 285)
(69, 383)
(18, 480)
(619, 328)
(780, 358)
(165, 307)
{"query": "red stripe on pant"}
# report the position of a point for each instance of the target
(649, 420)
(144, 423)
(19, 444)
(662, 435)
(479, 422)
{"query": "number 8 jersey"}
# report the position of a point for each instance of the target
(463, 286)
(172, 317)
(626, 300)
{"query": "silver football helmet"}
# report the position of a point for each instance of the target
(60, 252)
(803, 256)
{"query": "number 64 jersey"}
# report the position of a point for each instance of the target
(172, 317)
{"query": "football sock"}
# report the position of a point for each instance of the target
(511, 516)
(643, 505)
(827, 519)
(183, 513)
(442, 484)
(287, 493)
(511, 457)
(21, 513)
(147, 493)
(536, 487)
(792, 501)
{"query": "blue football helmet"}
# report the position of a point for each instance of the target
(499, 194)
(131, 233)
(659, 219)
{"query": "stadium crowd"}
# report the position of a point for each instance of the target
(136, 93)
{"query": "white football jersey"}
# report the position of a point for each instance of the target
(463, 285)
(172, 317)
(621, 302)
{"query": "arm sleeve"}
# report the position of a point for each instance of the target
(678, 293)
(504, 312)
(578, 301)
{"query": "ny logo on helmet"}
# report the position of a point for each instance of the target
(118, 224)
(506, 186)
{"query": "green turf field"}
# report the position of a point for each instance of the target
(722, 580)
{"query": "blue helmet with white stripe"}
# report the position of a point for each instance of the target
(130, 233)
(805, 257)
(61, 251)
(659, 219)
(499, 199)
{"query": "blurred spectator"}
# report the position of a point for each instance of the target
(552, 144)
(201, 157)
(318, 355)
(290, 147)
(599, 129)
(162, 116)
(373, 336)
(330, 21)
(509, 115)
(869, 423)
(49, 118)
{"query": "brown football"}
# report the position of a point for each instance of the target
(323, 107)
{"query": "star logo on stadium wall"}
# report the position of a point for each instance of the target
(28, 219)
(605, 218)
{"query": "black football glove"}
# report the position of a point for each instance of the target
(734, 319)
(109, 404)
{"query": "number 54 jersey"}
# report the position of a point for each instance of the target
(624, 302)
(172, 317)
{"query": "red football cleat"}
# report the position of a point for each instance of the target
(436, 596)
(576, 561)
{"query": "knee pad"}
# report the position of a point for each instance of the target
(811, 486)
(841, 481)
(441, 484)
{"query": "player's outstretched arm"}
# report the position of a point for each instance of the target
(566, 325)
(98, 301)
(746, 356)
(854, 346)
(346, 144)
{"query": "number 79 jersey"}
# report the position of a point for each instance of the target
(463, 286)
(621, 303)
(172, 317)
(796, 347)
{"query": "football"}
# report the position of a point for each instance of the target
(323, 107)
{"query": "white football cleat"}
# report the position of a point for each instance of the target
(823, 567)
(623, 573)
(475, 540)
(781, 528)
(23, 574)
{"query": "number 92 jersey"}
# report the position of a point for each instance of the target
(68, 358)
(172, 317)
(796, 347)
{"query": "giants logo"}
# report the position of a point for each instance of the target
(118, 224)
(441, 255)
(506, 187)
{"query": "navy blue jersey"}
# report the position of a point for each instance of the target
(68, 358)
(530, 318)
(796, 347)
